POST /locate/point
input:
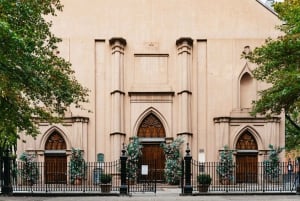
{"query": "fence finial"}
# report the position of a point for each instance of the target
(187, 149)
(123, 149)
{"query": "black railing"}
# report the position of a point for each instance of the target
(242, 177)
(42, 177)
(144, 178)
(246, 177)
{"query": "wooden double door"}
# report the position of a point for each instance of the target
(154, 157)
(153, 133)
(56, 169)
(246, 168)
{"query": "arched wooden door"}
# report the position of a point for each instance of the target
(153, 133)
(246, 159)
(55, 159)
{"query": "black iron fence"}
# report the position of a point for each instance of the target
(114, 177)
(97, 177)
(240, 177)
(142, 176)
(102, 177)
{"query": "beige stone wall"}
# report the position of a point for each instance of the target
(188, 89)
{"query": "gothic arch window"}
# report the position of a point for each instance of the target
(151, 126)
(55, 142)
(247, 90)
(246, 142)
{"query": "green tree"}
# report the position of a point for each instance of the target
(278, 62)
(292, 131)
(35, 83)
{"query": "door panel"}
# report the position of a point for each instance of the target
(154, 155)
(56, 169)
(246, 168)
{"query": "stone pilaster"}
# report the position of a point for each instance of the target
(184, 48)
(117, 95)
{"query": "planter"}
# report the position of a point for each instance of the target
(204, 181)
(131, 182)
(203, 187)
(105, 188)
(225, 181)
(275, 180)
(78, 181)
(28, 182)
(175, 182)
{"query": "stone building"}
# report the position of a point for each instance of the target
(159, 70)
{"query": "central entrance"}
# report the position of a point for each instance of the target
(55, 159)
(151, 134)
(246, 159)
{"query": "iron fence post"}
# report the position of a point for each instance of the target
(298, 182)
(123, 159)
(188, 189)
(7, 187)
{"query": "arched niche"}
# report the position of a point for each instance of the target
(247, 90)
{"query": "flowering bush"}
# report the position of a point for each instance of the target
(225, 167)
(29, 171)
(78, 165)
(134, 152)
(173, 164)
(271, 165)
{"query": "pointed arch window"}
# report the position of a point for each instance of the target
(151, 126)
(246, 142)
(55, 142)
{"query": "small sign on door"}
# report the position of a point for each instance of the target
(144, 169)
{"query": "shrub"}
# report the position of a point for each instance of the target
(173, 164)
(134, 152)
(204, 179)
(78, 166)
(225, 167)
(271, 166)
(29, 171)
(105, 178)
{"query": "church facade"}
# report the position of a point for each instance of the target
(161, 70)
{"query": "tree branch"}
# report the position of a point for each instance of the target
(292, 122)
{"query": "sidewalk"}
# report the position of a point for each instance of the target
(161, 195)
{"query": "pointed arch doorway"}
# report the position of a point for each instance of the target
(151, 134)
(246, 159)
(55, 159)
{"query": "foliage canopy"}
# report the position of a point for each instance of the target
(34, 81)
(278, 63)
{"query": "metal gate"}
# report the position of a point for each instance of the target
(144, 178)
